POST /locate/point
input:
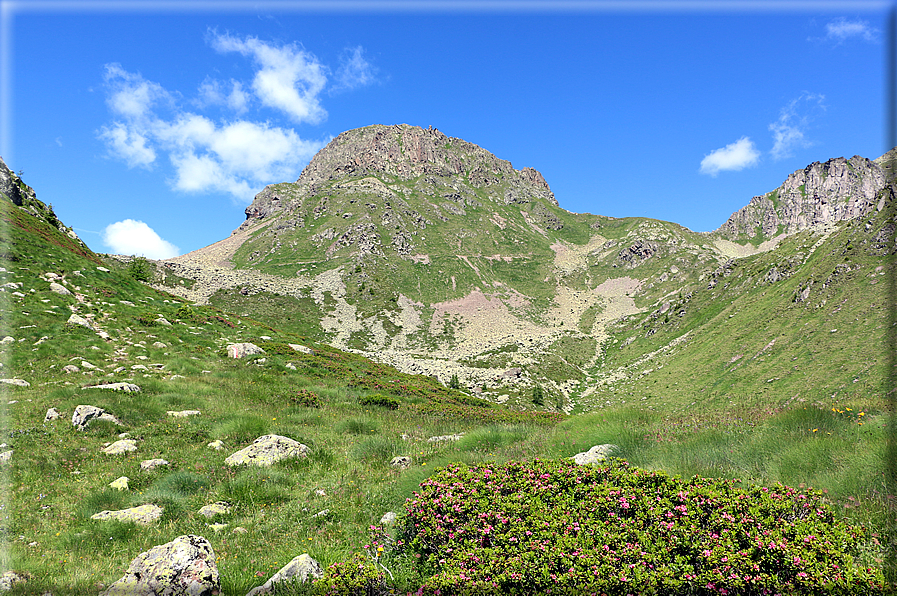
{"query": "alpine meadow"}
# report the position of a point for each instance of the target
(411, 371)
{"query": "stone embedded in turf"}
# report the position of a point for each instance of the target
(122, 446)
(596, 454)
(400, 461)
(217, 508)
(183, 413)
(152, 464)
(299, 568)
(120, 483)
(183, 567)
(266, 450)
(142, 514)
(126, 387)
(242, 350)
(84, 414)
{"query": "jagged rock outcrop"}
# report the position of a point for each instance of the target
(822, 193)
(13, 187)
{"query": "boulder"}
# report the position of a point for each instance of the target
(388, 518)
(183, 567)
(120, 483)
(52, 414)
(299, 569)
(59, 289)
(217, 508)
(243, 350)
(119, 447)
(70, 368)
(596, 454)
(266, 450)
(84, 414)
(142, 514)
(160, 345)
(152, 464)
(400, 461)
(126, 387)
(301, 348)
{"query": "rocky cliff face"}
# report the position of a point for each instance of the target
(17, 191)
(446, 166)
(820, 194)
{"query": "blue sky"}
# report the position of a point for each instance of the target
(151, 129)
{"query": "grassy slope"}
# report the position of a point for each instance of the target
(756, 440)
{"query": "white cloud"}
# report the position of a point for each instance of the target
(212, 92)
(840, 30)
(289, 79)
(237, 157)
(131, 237)
(734, 156)
(354, 70)
(789, 131)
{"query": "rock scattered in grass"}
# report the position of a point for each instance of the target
(59, 289)
(400, 461)
(17, 382)
(151, 464)
(454, 437)
(120, 483)
(300, 568)
(142, 514)
(126, 387)
(596, 454)
(183, 413)
(5, 457)
(266, 450)
(388, 518)
(217, 508)
(79, 320)
(12, 578)
(242, 350)
(70, 368)
(119, 447)
(183, 567)
(84, 414)
(52, 414)
(217, 445)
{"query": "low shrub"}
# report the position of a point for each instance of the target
(527, 528)
(356, 577)
(306, 398)
(378, 399)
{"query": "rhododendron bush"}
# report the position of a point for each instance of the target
(555, 527)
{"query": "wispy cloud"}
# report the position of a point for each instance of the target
(733, 157)
(789, 131)
(132, 237)
(841, 30)
(215, 93)
(354, 70)
(289, 78)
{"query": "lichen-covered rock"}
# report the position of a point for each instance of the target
(84, 414)
(388, 518)
(183, 567)
(79, 320)
(267, 450)
(217, 508)
(122, 446)
(242, 350)
(52, 414)
(142, 514)
(120, 483)
(300, 568)
(70, 368)
(596, 454)
(152, 464)
(126, 387)
(183, 413)
(217, 445)
(400, 461)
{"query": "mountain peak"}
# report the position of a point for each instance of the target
(403, 153)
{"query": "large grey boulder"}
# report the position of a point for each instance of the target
(266, 450)
(244, 349)
(299, 569)
(183, 567)
(84, 414)
(142, 514)
(596, 454)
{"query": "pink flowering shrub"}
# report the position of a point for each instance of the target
(554, 527)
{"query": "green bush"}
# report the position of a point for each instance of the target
(356, 577)
(147, 319)
(454, 383)
(525, 528)
(378, 399)
(141, 269)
